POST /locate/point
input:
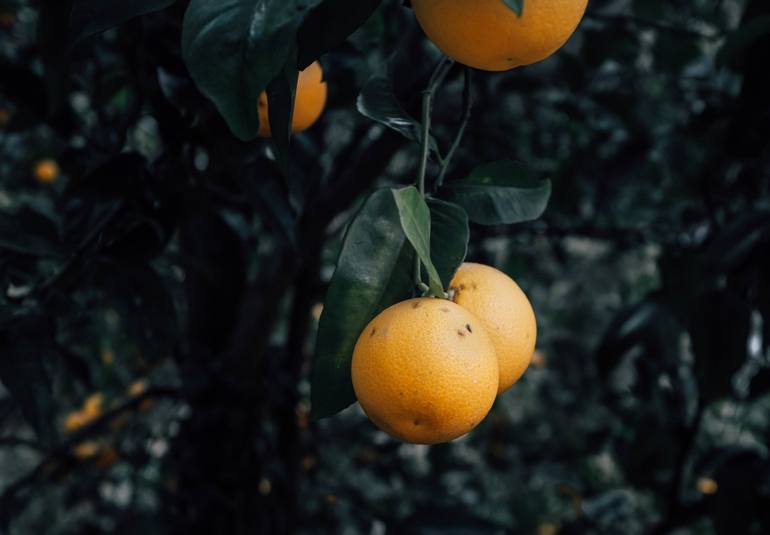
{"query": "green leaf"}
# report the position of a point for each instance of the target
(742, 38)
(234, 48)
(378, 102)
(449, 235)
(280, 94)
(329, 25)
(89, 17)
(374, 271)
(25, 343)
(517, 6)
(415, 220)
(500, 193)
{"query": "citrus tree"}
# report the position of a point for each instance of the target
(225, 222)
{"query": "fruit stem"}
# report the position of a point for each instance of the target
(439, 73)
(467, 107)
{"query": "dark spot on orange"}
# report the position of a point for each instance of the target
(417, 422)
(401, 394)
(374, 330)
(416, 304)
(472, 424)
(460, 333)
(474, 286)
(462, 287)
(468, 326)
(444, 309)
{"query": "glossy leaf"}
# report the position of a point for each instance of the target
(280, 94)
(378, 102)
(234, 48)
(374, 271)
(89, 17)
(500, 193)
(329, 24)
(449, 235)
(415, 220)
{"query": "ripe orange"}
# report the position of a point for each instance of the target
(309, 101)
(46, 171)
(504, 311)
(488, 35)
(425, 371)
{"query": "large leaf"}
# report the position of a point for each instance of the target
(89, 17)
(280, 94)
(500, 193)
(415, 220)
(449, 236)
(234, 48)
(378, 102)
(25, 342)
(330, 24)
(374, 271)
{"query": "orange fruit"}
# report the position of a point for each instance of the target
(504, 311)
(309, 101)
(488, 35)
(46, 171)
(425, 371)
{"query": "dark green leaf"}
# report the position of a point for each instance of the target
(517, 6)
(330, 24)
(378, 102)
(280, 94)
(449, 236)
(25, 344)
(374, 271)
(234, 48)
(89, 17)
(415, 220)
(500, 193)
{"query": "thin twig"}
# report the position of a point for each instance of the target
(467, 108)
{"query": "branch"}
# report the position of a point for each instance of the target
(62, 451)
(467, 108)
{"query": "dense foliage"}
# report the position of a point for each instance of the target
(165, 259)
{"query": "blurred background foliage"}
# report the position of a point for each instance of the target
(149, 256)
